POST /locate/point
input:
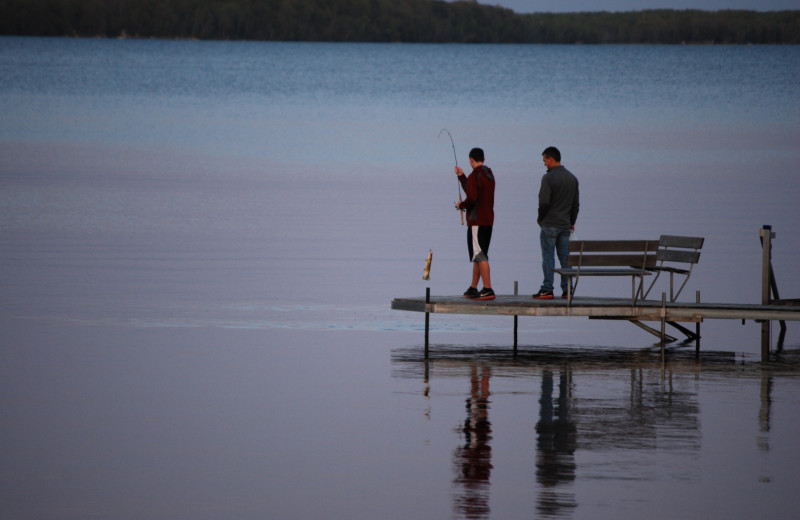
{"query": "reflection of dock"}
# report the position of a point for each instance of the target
(662, 312)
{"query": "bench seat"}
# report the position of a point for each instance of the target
(632, 258)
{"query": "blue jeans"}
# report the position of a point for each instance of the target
(555, 242)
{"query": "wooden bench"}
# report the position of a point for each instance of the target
(634, 258)
(677, 256)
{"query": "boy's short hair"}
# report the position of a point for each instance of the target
(477, 154)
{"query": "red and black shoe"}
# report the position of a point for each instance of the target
(486, 294)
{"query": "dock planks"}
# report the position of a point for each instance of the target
(595, 307)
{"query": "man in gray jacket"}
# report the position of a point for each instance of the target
(558, 211)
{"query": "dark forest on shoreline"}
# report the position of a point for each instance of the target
(411, 21)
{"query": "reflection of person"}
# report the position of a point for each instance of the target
(479, 203)
(558, 211)
(556, 442)
(474, 459)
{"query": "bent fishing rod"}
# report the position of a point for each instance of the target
(460, 211)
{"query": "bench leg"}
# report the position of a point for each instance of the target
(570, 289)
(652, 283)
(636, 291)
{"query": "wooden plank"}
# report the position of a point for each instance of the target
(678, 241)
(612, 246)
(400, 304)
(677, 255)
(618, 308)
(611, 260)
(585, 271)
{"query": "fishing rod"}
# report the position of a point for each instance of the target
(461, 211)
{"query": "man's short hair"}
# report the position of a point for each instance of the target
(477, 154)
(553, 153)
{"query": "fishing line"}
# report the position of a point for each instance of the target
(455, 157)
(451, 143)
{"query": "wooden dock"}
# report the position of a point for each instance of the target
(660, 312)
(601, 308)
(638, 312)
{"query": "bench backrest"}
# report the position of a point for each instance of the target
(679, 249)
(613, 253)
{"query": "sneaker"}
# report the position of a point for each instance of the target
(543, 295)
(472, 292)
(564, 296)
(486, 294)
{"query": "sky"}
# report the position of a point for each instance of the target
(532, 6)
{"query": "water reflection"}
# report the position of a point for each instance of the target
(601, 417)
(473, 459)
(556, 436)
(764, 412)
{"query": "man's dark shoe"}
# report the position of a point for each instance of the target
(564, 296)
(543, 295)
(486, 294)
(472, 292)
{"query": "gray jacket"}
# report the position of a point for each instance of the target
(558, 199)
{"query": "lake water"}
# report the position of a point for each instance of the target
(200, 241)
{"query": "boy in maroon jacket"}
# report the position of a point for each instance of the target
(479, 204)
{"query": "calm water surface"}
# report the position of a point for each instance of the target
(199, 242)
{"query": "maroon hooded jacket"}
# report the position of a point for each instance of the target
(479, 187)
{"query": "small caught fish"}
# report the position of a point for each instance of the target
(427, 272)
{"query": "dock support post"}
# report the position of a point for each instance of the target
(697, 328)
(516, 318)
(663, 322)
(766, 235)
(427, 318)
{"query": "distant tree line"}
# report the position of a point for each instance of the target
(386, 21)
